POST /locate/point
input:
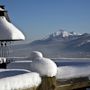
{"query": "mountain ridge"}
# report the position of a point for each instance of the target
(61, 44)
(60, 35)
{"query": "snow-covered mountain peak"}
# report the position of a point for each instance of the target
(74, 33)
(63, 34)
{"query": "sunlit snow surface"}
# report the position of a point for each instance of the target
(21, 81)
(73, 68)
(66, 72)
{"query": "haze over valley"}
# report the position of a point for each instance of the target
(58, 45)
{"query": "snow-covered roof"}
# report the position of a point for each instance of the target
(8, 32)
(22, 81)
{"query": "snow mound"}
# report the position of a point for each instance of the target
(22, 81)
(41, 65)
(67, 72)
(12, 72)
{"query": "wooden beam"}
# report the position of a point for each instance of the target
(74, 86)
(48, 83)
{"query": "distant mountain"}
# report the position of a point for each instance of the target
(59, 36)
(59, 44)
(80, 44)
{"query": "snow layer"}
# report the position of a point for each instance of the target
(22, 81)
(8, 31)
(44, 66)
(67, 72)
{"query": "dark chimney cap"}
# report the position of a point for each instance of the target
(2, 6)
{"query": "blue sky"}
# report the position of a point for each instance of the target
(38, 18)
